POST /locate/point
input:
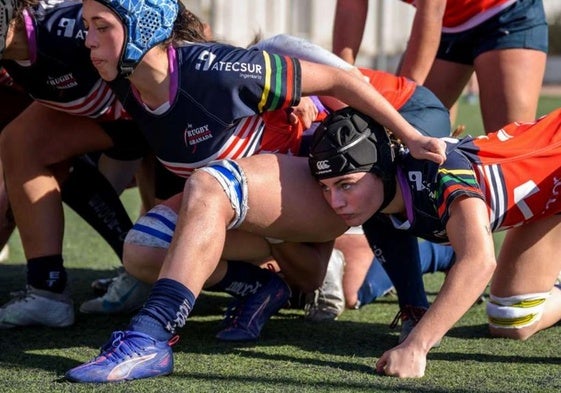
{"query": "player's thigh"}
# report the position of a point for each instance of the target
(48, 136)
(510, 82)
(447, 80)
(244, 246)
(286, 202)
(530, 259)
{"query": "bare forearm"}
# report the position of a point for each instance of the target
(470, 235)
(423, 42)
(463, 285)
(348, 28)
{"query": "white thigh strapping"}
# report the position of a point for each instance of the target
(515, 312)
(234, 183)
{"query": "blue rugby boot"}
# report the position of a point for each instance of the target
(126, 356)
(246, 317)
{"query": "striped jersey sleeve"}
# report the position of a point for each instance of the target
(281, 84)
(455, 179)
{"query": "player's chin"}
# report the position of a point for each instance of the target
(107, 75)
(353, 220)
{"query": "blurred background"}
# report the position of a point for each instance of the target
(388, 26)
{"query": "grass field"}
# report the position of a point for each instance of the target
(292, 356)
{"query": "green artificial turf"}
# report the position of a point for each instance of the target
(292, 356)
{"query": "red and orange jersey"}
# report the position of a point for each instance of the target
(516, 171)
(396, 89)
(519, 170)
(461, 12)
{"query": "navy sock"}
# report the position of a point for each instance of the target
(166, 309)
(242, 279)
(47, 273)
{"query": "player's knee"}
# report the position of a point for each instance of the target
(516, 317)
(202, 184)
(154, 229)
(230, 177)
(137, 266)
(131, 260)
(521, 334)
(143, 263)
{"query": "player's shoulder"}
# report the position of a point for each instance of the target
(217, 57)
(426, 174)
(49, 9)
(59, 22)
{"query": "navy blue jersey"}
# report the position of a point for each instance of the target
(422, 183)
(218, 93)
(515, 171)
(59, 72)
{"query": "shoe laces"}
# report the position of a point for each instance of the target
(128, 344)
(116, 287)
(408, 312)
(120, 345)
(23, 295)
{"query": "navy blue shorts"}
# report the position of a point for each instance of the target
(522, 25)
(426, 113)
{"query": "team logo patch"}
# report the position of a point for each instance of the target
(207, 62)
(195, 135)
(323, 165)
(63, 82)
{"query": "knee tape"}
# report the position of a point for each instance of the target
(234, 183)
(154, 229)
(515, 312)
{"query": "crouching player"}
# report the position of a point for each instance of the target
(507, 180)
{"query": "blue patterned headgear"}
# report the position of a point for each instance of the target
(7, 9)
(147, 24)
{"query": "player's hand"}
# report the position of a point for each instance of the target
(306, 112)
(428, 148)
(403, 361)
